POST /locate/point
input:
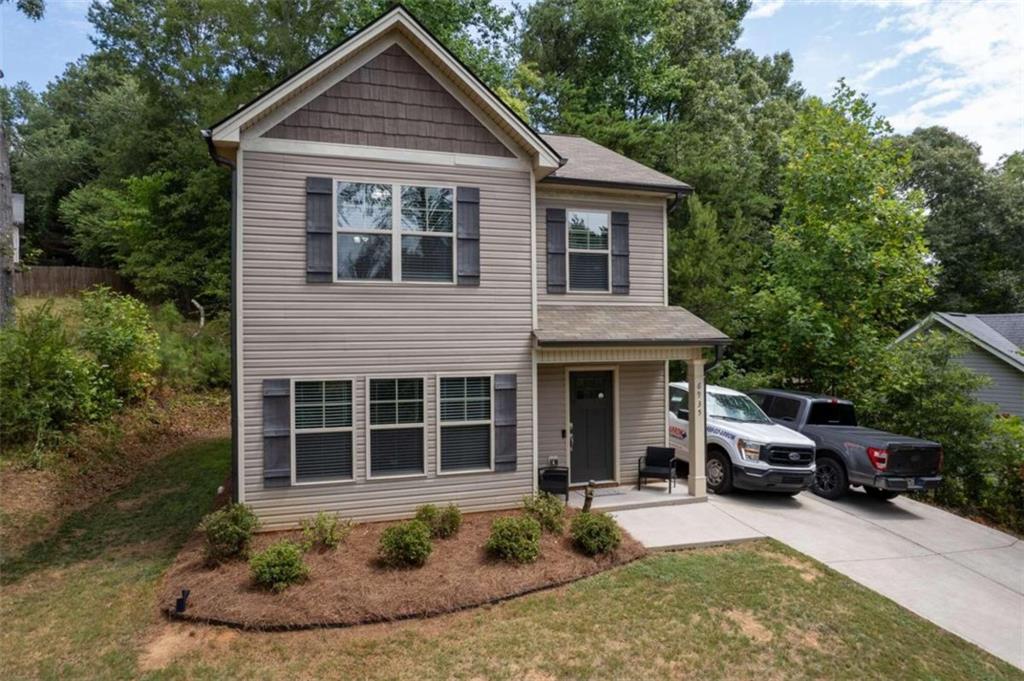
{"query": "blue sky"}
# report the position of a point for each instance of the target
(958, 63)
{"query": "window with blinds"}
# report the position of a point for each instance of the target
(396, 427)
(466, 442)
(322, 441)
(589, 251)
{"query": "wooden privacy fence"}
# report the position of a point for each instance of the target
(59, 281)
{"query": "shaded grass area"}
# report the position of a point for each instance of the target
(83, 605)
(74, 604)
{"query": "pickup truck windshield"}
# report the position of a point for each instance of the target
(831, 414)
(735, 408)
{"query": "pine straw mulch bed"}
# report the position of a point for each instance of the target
(348, 587)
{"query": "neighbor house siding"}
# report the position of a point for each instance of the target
(292, 329)
(391, 102)
(646, 246)
(1006, 388)
(642, 404)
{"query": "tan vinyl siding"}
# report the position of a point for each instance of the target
(391, 102)
(292, 329)
(642, 404)
(1005, 390)
(646, 246)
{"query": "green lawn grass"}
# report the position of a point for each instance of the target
(81, 606)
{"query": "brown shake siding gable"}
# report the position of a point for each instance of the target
(291, 329)
(391, 102)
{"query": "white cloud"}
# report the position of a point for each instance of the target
(961, 65)
(765, 8)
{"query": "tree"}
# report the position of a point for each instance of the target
(6, 235)
(848, 264)
(975, 226)
(33, 9)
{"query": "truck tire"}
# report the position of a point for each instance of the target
(830, 481)
(883, 494)
(718, 472)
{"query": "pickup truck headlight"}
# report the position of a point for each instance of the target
(749, 451)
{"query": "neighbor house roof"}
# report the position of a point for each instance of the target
(567, 325)
(1002, 335)
(589, 163)
(397, 20)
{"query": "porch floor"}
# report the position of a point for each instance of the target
(628, 496)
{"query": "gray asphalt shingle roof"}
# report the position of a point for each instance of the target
(622, 325)
(1000, 334)
(589, 162)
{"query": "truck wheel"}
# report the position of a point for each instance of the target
(830, 479)
(718, 472)
(882, 494)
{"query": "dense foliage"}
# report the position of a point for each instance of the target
(546, 509)
(595, 533)
(279, 566)
(514, 539)
(405, 544)
(443, 522)
(228, 532)
(118, 331)
(325, 531)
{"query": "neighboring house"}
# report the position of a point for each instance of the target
(432, 300)
(18, 204)
(995, 351)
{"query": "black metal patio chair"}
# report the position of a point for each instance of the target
(659, 463)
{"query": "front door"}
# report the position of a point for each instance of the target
(591, 424)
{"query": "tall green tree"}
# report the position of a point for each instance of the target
(975, 226)
(848, 264)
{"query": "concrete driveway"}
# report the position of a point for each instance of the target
(964, 577)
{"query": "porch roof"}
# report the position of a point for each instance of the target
(622, 325)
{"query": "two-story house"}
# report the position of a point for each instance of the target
(431, 299)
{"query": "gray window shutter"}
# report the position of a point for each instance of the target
(319, 268)
(277, 441)
(620, 253)
(555, 221)
(468, 212)
(505, 444)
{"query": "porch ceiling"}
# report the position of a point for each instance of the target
(578, 326)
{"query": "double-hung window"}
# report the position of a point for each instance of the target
(394, 232)
(322, 444)
(396, 432)
(589, 252)
(464, 405)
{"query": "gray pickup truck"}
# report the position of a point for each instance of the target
(847, 454)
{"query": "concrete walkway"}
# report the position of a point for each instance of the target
(964, 577)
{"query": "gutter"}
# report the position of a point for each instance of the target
(235, 441)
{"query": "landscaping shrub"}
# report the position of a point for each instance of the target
(515, 539)
(405, 544)
(190, 357)
(46, 385)
(595, 533)
(325, 531)
(229, 532)
(443, 523)
(279, 566)
(546, 509)
(118, 331)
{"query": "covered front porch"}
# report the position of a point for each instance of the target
(602, 398)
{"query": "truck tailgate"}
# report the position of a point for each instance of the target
(906, 459)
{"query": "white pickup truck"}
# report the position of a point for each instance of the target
(745, 448)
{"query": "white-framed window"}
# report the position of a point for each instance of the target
(389, 231)
(588, 237)
(322, 437)
(396, 427)
(465, 424)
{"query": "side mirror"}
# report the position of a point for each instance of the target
(683, 414)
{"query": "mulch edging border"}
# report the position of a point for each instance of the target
(171, 614)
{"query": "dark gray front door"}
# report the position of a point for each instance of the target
(591, 414)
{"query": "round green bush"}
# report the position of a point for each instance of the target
(325, 531)
(547, 509)
(279, 566)
(515, 539)
(229, 532)
(443, 523)
(595, 533)
(405, 544)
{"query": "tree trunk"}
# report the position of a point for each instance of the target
(6, 235)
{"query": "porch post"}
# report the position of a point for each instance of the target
(697, 423)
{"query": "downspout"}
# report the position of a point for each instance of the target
(235, 453)
(719, 351)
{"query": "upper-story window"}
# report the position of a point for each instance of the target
(589, 252)
(394, 232)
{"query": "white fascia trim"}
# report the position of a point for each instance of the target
(230, 130)
(330, 150)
